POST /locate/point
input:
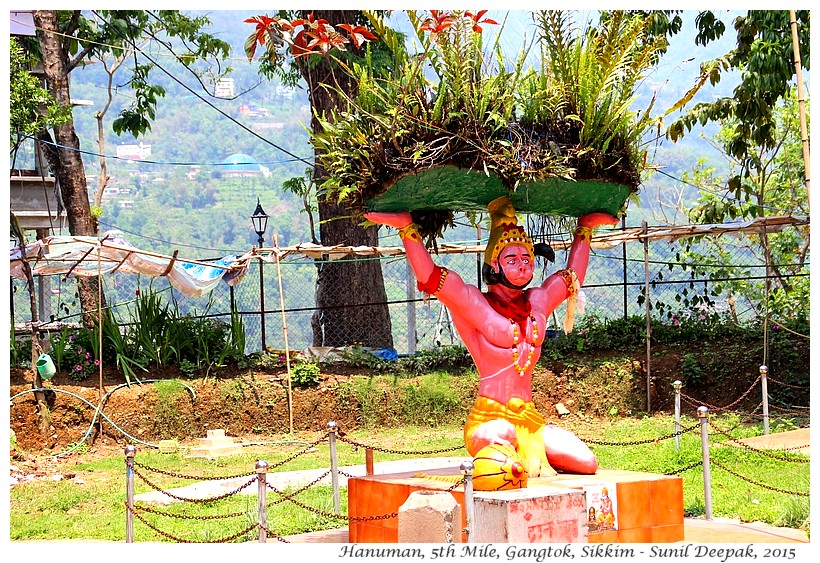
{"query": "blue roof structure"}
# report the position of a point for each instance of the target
(242, 163)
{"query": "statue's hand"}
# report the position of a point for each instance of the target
(496, 431)
(593, 220)
(397, 220)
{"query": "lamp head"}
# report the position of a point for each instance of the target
(259, 219)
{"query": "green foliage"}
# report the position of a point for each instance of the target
(305, 374)
(114, 33)
(20, 355)
(692, 373)
(32, 109)
(434, 399)
(774, 186)
(762, 56)
(451, 358)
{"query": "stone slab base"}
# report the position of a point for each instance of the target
(646, 507)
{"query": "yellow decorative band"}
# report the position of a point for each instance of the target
(585, 232)
(411, 231)
(442, 277)
(570, 279)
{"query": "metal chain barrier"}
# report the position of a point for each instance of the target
(209, 499)
(684, 468)
(284, 496)
(639, 442)
(789, 385)
(402, 452)
(192, 477)
(274, 534)
(301, 452)
(330, 514)
(178, 539)
(763, 485)
(756, 450)
(144, 508)
(694, 402)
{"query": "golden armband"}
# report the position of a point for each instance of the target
(411, 231)
(582, 231)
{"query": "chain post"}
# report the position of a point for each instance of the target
(130, 452)
(262, 499)
(332, 428)
(677, 385)
(467, 469)
(764, 389)
(704, 446)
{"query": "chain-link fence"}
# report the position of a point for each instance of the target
(703, 278)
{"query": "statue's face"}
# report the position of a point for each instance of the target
(517, 264)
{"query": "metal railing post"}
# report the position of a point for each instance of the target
(332, 427)
(467, 469)
(677, 385)
(704, 446)
(262, 499)
(764, 389)
(130, 452)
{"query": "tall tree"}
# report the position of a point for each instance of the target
(765, 58)
(350, 296)
(68, 168)
(67, 40)
(774, 187)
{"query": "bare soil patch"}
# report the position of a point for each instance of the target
(252, 404)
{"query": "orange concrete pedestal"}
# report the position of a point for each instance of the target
(646, 507)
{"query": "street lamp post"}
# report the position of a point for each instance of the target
(259, 219)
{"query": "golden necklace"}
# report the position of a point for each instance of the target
(516, 335)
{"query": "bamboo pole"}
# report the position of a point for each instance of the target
(100, 328)
(285, 332)
(801, 101)
(648, 321)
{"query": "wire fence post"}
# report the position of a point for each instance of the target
(677, 385)
(130, 452)
(704, 446)
(764, 389)
(467, 468)
(332, 427)
(262, 499)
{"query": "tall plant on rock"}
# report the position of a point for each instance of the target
(316, 47)
(457, 102)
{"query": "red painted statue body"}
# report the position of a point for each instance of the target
(506, 350)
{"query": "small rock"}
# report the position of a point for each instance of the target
(562, 410)
(56, 478)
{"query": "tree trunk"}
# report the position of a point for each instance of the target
(351, 300)
(70, 172)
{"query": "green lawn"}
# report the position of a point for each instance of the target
(766, 486)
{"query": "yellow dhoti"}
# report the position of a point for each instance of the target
(528, 424)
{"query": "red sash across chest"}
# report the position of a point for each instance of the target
(517, 309)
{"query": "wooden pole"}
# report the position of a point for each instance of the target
(648, 321)
(100, 328)
(801, 100)
(285, 332)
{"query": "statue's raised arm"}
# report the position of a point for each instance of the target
(566, 283)
(466, 303)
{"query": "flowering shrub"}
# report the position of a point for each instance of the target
(86, 366)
